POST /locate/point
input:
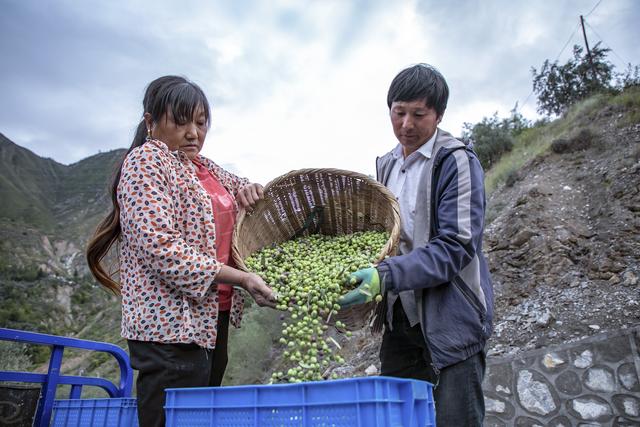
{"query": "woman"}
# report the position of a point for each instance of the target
(173, 216)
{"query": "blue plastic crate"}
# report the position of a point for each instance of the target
(114, 412)
(354, 402)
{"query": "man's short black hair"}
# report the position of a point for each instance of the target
(420, 82)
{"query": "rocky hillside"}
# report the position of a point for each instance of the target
(564, 238)
(565, 251)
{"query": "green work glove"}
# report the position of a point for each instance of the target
(367, 291)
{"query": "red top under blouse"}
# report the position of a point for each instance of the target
(224, 214)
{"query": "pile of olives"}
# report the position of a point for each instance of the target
(309, 274)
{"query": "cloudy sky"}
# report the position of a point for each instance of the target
(293, 84)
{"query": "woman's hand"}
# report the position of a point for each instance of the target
(249, 195)
(258, 289)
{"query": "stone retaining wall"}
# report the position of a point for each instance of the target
(592, 382)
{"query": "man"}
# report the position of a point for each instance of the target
(438, 300)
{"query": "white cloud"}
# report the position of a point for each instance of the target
(329, 112)
(293, 84)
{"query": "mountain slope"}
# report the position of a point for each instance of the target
(47, 214)
(564, 241)
(49, 210)
(83, 195)
(565, 251)
(27, 184)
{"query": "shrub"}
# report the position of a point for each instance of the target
(13, 357)
(512, 177)
(491, 139)
(560, 145)
(579, 142)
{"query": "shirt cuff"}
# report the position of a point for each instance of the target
(386, 279)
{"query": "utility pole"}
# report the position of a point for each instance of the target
(586, 43)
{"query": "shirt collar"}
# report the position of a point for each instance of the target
(425, 149)
(181, 155)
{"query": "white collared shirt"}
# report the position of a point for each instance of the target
(403, 182)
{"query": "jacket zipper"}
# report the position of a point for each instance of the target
(435, 369)
(471, 302)
(437, 372)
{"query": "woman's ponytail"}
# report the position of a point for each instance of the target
(108, 231)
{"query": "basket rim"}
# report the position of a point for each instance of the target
(394, 235)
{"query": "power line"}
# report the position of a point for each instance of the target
(624, 63)
(594, 8)
(573, 33)
(526, 99)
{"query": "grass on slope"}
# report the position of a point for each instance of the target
(623, 108)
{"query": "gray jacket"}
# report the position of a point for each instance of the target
(446, 267)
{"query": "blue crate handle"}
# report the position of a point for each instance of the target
(53, 378)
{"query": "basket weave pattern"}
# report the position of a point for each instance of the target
(326, 201)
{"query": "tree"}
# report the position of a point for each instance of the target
(493, 137)
(515, 123)
(628, 78)
(560, 86)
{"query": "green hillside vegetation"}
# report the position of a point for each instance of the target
(533, 143)
(83, 195)
(27, 185)
(47, 214)
(584, 89)
(48, 195)
(253, 347)
(50, 206)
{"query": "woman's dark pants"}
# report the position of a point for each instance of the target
(161, 366)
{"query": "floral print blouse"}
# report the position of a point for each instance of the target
(167, 249)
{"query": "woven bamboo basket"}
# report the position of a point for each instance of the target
(325, 201)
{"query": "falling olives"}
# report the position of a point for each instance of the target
(309, 274)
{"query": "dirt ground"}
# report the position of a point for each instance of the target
(565, 249)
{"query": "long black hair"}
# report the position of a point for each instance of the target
(173, 94)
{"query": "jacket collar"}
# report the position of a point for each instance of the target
(445, 143)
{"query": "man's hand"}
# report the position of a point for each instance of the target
(368, 289)
(249, 195)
